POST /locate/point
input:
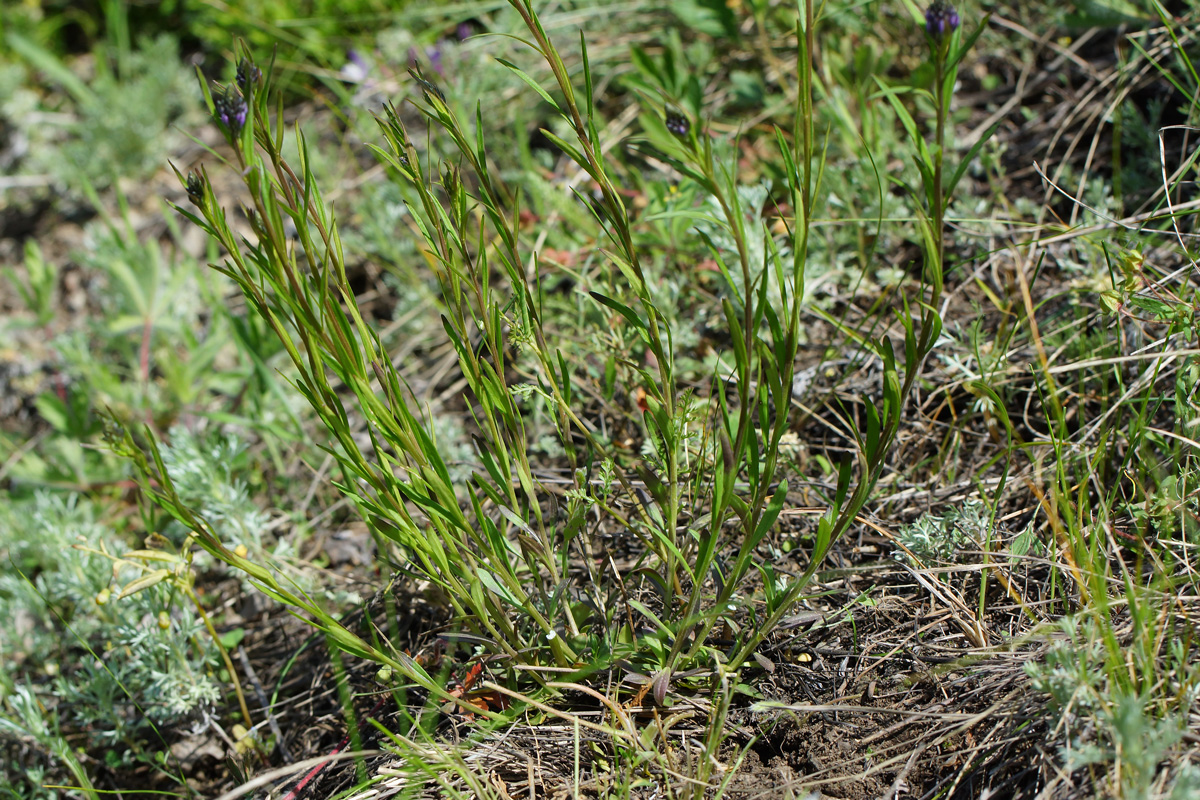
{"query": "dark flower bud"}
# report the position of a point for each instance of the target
(940, 19)
(195, 189)
(230, 110)
(247, 74)
(430, 89)
(678, 124)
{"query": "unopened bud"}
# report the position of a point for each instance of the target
(195, 189)
(248, 74)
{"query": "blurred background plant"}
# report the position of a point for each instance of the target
(116, 123)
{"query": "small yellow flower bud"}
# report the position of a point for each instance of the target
(103, 596)
(240, 551)
(164, 620)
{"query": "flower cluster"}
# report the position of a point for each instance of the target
(940, 19)
(230, 109)
(678, 124)
(248, 75)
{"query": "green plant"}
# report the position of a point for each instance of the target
(489, 545)
(22, 717)
(1104, 719)
(37, 287)
(146, 359)
(588, 454)
(947, 47)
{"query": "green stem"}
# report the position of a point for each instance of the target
(237, 684)
(925, 343)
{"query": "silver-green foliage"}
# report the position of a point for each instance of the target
(934, 539)
(204, 470)
(117, 666)
(1108, 723)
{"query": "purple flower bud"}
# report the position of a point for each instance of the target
(940, 19)
(463, 31)
(247, 74)
(678, 124)
(230, 110)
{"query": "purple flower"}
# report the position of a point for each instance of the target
(247, 74)
(463, 31)
(230, 109)
(678, 124)
(434, 54)
(940, 19)
(356, 69)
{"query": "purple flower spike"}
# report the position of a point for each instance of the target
(940, 19)
(230, 109)
(678, 124)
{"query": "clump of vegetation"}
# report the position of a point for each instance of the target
(934, 538)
